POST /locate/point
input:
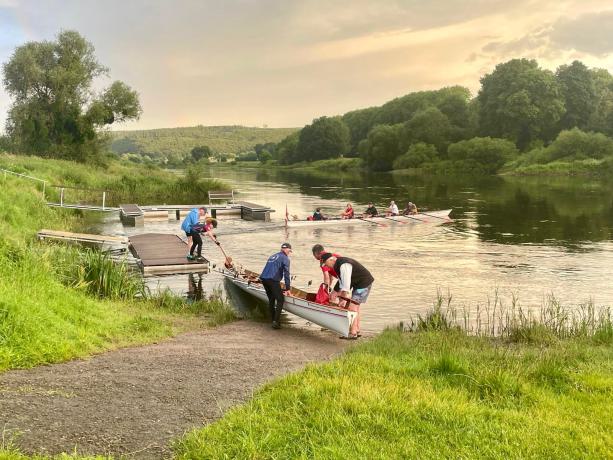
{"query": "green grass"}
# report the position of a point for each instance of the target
(58, 303)
(428, 395)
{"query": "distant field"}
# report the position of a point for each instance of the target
(176, 143)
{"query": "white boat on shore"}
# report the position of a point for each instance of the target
(423, 217)
(299, 303)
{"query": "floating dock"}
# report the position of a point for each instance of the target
(164, 254)
(81, 237)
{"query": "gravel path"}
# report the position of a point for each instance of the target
(135, 401)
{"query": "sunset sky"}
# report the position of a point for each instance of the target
(282, 63)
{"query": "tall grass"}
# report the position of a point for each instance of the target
(215, 307)
(514, 322)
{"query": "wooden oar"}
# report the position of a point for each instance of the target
(371, 222)
(228, 262)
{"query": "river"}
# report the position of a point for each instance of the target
(523, 237)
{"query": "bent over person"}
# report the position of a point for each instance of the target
(276, 269)
(194, 240)
(355, 283)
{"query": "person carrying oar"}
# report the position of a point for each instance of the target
(355, 285)
(207, 228)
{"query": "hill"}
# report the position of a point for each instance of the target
(174, 144)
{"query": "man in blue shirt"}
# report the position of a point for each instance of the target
(194, 241)
(276, 269)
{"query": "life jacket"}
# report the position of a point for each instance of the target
(360, 276)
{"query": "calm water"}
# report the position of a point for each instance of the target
(520, 236)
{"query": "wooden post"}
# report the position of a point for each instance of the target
(178, 214)
(214, 213)
(103, 199)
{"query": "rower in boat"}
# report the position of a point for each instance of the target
(410, 210)
(276, 269)
(318, 215)
(330, 276)
(393, 209)
(355, 285)
(371, 211)
(348, 212)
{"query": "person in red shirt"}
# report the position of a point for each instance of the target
(329, 274)
(348, 212)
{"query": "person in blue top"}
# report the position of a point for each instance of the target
(276, 269)
(194, 241)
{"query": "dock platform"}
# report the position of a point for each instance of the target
(164, 254)
(45, 234)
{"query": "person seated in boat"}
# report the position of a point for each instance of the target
(317, 215)
(355, 285)
(410, 210)
(275, 270)
(393, 209)
(348, 212)
(371, 211)
(330, 276)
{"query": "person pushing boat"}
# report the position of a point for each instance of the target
(275, 270)
(328, 273)
(355, 283)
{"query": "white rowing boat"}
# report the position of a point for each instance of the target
(424, 217)
(299, 303)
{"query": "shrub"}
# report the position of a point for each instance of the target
(417, 155)
(489, 153)
(575, 144)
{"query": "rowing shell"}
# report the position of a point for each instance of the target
(300, 303)
(434, 216)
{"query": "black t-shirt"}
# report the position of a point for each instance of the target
(371, 211)
(318, 216)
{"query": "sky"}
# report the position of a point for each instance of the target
(283, 63)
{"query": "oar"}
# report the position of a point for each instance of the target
(228, 262)
(414, 218)
(432, 215)
(371, 222)
(394, 220)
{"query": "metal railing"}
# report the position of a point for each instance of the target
(25, 176)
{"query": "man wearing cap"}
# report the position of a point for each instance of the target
(276, 269)
(329, 273)
(355, 282)
(194, 241)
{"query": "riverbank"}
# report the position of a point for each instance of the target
(432, 394)
(60, 303)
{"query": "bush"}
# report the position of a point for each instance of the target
(417, 155)
(488, 153)
(575, 144)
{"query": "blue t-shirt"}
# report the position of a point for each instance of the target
(190, 220)
(277, 268)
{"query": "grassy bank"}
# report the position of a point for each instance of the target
(434, 393)
(58, 303)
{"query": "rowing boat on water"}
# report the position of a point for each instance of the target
(300, 303)
(433, 216)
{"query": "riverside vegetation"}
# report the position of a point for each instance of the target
(506, 383)
(60, 302)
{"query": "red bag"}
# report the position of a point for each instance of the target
(322, 296)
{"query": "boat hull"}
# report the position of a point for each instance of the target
(333, 318)
(429, 217)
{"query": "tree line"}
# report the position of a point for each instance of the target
(520, 112)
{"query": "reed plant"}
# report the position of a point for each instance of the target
(215, 307)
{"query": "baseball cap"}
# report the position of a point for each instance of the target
(286, 246)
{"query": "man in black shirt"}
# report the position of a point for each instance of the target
(355, 282)
(371, 211)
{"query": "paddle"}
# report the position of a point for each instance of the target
(228, 262)
(371, 222)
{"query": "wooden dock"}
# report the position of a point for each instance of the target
(164, 254)
(81, 237)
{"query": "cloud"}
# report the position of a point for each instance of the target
(590, 33)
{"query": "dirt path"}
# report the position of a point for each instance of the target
(135, 401)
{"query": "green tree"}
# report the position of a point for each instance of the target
(382, 147)
(200, 152)
(521, 102)
(490, 154)
(325, 138)
(287, 149)
(265, 156)
(601, 119)
(578, 90)
(430, 126)
(54, 110)
(575, 144)
(417, 155)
